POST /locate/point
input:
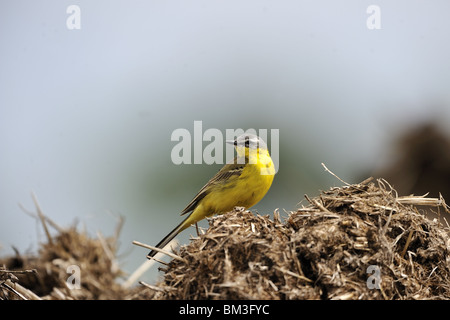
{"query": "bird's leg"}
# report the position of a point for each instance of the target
(196, 228)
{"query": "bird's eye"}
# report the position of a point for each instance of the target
(247, 142)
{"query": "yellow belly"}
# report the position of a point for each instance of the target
(243, 191)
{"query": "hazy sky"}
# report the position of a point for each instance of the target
(86, 114)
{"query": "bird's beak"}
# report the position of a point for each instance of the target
(230, 141)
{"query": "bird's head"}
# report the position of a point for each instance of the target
(248, 144)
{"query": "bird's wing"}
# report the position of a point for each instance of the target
(228, 170)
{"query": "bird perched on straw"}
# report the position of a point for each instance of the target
(241, 183)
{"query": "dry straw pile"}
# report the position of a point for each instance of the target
(52, 274)
(359, 241)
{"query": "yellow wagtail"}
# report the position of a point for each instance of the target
(241, 183)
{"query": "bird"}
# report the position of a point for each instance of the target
(242, 182)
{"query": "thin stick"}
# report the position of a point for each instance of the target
(42, 217)
(17, 293)
(144, 267)
(114, 265)
(118, 228)
(33, 215)
(321, 207)
(294, 274)
(328, 170)
(154, 288)
(385, 227)
(383, 293)
(19, 271)
(25, 293)
(408, 240)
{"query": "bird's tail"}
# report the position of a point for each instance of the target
(183, 225)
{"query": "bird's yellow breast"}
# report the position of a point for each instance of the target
(244, 190)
